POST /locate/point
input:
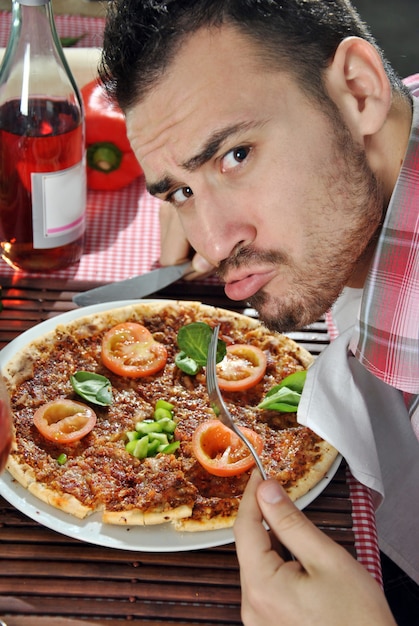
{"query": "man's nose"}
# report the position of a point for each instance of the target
(220, 230)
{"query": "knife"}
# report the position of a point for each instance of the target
(135, 287)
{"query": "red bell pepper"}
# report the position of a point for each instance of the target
(111, 163)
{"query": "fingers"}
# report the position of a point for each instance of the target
(293, 529)
(174, 247)
(325, 585)
(201, 266)
(252, 539)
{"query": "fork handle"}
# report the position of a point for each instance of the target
(253, 452)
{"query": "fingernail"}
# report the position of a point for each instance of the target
(201, 265)
(271, 492)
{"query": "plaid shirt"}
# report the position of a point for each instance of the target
(386, 335)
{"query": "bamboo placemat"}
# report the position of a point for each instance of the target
(47, 578)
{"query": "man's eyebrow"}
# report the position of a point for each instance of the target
(212, 146)
(161, 186)
(206, 153)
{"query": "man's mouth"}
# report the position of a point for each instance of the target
(245, 286)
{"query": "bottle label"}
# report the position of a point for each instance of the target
(58, 206)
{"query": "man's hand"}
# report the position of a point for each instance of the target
(323, 586)
(175, 247)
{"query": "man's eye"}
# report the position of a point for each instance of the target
(234, 158)
(180, 195)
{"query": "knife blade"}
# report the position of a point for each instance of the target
(136, 286)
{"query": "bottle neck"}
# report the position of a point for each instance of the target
(34, 61)
(33, 23)
(32, 3)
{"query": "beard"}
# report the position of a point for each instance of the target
(310, 286)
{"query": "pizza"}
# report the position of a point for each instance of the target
(99, 470)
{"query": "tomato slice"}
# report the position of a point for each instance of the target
(220, 451)
(243, 367)
(129, 349)
(64, 421)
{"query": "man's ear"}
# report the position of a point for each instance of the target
(359, 86)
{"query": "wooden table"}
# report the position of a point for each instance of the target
(49, 579)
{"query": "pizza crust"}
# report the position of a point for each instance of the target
(193, 525)
(20, 471)
(135, 517)
(62, 501)
(25, 475)
(316, 473)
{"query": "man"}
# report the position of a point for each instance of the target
(275, 133)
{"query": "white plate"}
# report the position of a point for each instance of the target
(161, 538)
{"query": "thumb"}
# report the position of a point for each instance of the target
(293, 529)
(201, 265)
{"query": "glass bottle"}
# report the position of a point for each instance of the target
(42, 154)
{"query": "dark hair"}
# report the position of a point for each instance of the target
(300, 36)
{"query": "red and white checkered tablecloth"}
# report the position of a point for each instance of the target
(363, 512)
(122, 239)
(122, 236)
(89, 29)
(366, 539)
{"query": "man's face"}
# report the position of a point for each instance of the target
(269, 188)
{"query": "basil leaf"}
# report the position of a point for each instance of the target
(186, 364)
(282, 407)
(285, 397)
(194, 339)
(104, 396)
(294, 381)
(281, 395)
(92, 387)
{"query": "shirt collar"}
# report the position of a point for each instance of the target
(386, 335)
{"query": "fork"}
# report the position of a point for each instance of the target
(220, 409)
(217, 403)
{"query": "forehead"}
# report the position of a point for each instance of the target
(215, 80)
